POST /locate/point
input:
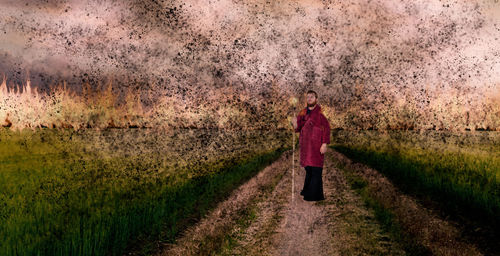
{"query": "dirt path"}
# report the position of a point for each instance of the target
(259, 218)
(339, 225)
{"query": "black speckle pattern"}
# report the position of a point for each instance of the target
(366, 59)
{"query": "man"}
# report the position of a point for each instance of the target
(314, 131)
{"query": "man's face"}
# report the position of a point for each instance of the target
(311, 100)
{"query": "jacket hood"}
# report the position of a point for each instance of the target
(316, 109)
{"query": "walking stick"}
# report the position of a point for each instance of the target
(293, 161)
(293, 101)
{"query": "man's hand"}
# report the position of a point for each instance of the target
(322, 150)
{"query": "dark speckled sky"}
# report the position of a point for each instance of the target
(172, 46)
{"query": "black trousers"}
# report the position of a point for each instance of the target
(313, 184)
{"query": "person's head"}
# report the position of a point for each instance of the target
(311, 98)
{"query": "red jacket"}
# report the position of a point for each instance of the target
(314, 130)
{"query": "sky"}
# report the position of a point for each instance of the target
(170, 47)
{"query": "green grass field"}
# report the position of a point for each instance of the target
(94, 193)
(459, 171)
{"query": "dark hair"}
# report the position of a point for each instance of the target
(313, 92)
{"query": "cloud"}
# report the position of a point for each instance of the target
(179, 45)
